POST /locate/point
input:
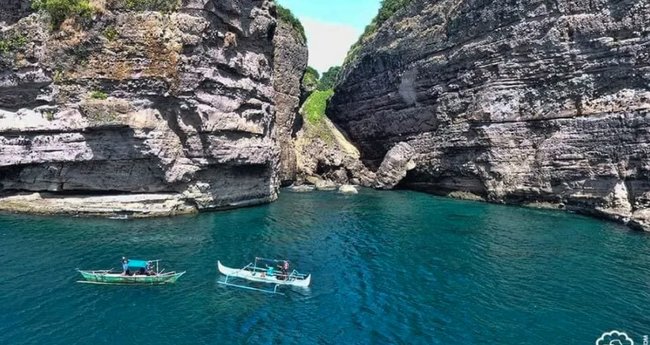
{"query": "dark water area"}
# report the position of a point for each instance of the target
(387, 268)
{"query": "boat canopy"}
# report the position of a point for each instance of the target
(269, 262)
(138, 263)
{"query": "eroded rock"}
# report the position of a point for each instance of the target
(142, 102)
(510, 101)
(348, 189)
(397, 162)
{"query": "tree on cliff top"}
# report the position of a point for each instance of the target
(329, 78)
(286, 16)
(387, 9)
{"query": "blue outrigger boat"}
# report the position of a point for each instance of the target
(144, 273)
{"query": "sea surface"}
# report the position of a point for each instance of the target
(387, 268)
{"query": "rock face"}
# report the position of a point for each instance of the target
(290, 64)
(176, 104)
(325, 158)
(517, 101)
(13, 10)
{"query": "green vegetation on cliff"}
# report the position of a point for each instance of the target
(317, 125)
(98, 95)
(12, 43)
(316, 104)
(152, 5)
(59, 10)
(285, 15)
(329, 78)
(310, 79)
(387, 9)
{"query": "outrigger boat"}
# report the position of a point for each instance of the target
(144, 274)
(254, 272)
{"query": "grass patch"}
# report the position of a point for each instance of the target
(285, 15)
(98, 95)
(316, 104)
(152, 5)
(12, 43)
(387, 9)
(60, 10)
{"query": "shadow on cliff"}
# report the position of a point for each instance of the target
(121, 162)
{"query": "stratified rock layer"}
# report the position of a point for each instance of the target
(290, 64)
(517, 101)
(174, 104)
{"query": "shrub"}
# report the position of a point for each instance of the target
(49, 115)
(310, 79)
(59, 10)
(285, 15)
(12, 43)
(316, 104)
(98, 95)
(57, 77)
(110, 33)
(387, 9)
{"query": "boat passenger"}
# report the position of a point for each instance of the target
(125, 266)
(269, 271)
(284, 268)
(150, 271)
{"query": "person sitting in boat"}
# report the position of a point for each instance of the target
(125, 266)
(284, 268)
(270, 271)
(150, 271)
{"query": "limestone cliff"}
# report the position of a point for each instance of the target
(157, 112)
(515, 101)
(290, 64)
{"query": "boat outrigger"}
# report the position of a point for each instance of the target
(264, 271)
(145, 272)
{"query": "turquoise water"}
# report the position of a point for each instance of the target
(388, 268)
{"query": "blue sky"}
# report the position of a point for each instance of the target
(332, 26)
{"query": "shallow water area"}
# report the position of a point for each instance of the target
(387, 268)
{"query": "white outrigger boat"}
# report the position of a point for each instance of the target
(254, 273)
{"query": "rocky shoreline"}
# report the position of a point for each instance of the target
(136, 113)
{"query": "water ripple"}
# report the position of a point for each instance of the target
(388, 268)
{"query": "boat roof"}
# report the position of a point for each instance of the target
(138, 263)
(271, 260)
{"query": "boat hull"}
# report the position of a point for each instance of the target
(107, 277)
(261, 278)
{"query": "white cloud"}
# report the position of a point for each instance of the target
(328, 42)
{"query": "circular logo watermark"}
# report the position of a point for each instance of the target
(614, 338)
